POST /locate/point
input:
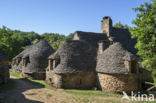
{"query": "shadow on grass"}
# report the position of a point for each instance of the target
(36, 84)
(40, 83)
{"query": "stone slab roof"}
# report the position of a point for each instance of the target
(75, 56)
(112, 59)
(91, 37)
(38, 57)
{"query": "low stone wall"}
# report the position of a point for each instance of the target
(37, 76)
(4, 72)
(117, 83)
(84, 80)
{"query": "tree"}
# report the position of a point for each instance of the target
(145, 32)
(8, 44)
(54, 39)
(70, 36)
(12, 42)
(120, 25)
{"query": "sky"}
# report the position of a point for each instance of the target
(64, 16)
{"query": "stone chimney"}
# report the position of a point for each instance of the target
(106, 25)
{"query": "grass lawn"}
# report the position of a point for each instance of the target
(90, 93)
(15, 74)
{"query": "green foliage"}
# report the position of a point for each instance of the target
(12, 42)
(15, 74)
(90, 93)
(145, 32)
(54, 39)
(7, 42)
(70, 36)
(120, 25)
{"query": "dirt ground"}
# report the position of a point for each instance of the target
(25, 92)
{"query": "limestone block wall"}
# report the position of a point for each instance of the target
(4, 71)
(118, 82)
(50, 79)
(84, 80)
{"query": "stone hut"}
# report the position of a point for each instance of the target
(4, 68)
(117, 64)
(17, 61)
(33, 61)
(72, 66)
(117, 70)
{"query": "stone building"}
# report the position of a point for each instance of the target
(117, 64)
(4, 68)
(33, 61)
(112, 52)
(17, 61)
(72, 66)
(117, 70)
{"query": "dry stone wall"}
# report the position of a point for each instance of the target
(118, 82)
(84, 80)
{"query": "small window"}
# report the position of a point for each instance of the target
(17, 61)
(132, 66)
(13, 62)
(50, 79)
(25, 61)
(56, 62)
(50, 65)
